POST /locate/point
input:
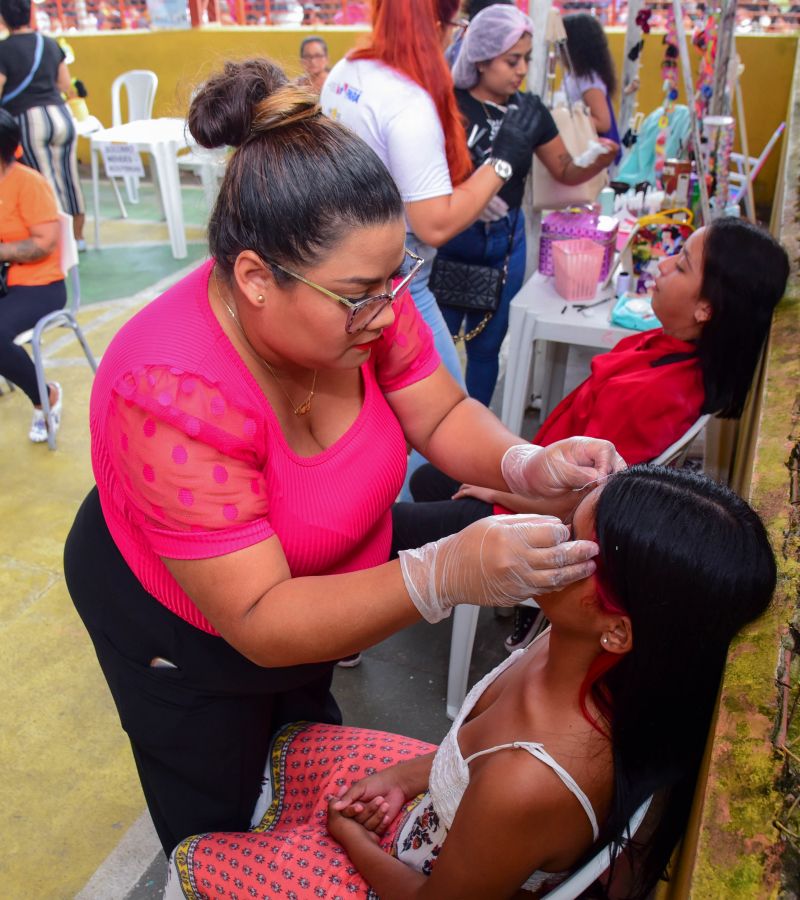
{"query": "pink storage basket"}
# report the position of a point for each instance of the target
(577, 265)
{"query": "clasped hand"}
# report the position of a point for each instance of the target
(366, 808)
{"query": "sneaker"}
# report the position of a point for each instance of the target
(81, 245)
(525, 621)
(38, 431)
(350, 662)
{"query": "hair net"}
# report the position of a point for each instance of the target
(493, 31)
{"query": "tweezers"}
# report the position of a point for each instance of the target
(580, 307)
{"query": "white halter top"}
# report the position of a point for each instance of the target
(449, 780)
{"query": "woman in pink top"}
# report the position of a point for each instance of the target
(249, 434)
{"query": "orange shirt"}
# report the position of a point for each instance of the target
(26, 199)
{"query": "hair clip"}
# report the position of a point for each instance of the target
(636, 49)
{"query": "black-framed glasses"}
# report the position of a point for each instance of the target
(360, 313)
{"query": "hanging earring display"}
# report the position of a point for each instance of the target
(669, 75)
(705, 40)
(720, 139)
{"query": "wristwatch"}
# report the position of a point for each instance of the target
(501, 167)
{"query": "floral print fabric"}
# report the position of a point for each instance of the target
(288, 854)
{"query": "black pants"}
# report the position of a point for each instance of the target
(200, 732)
(433, 515)
(21, 309)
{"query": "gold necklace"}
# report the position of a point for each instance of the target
(305, 406)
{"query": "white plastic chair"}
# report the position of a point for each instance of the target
(209, 166)
(583, 878)
(87, 127)
(140, 86)
(61, 318)
(676, 453)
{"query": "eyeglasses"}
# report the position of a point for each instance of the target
(314, 56)
(362, 312)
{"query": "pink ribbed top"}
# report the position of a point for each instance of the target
(190, 461)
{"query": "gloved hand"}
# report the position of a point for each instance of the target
(494, 210)
(564, 467)
(496, 561)
(514, 140)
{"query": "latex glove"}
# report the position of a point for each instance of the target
(496, 561)
(494, 210)
(611, 148)
(514, 140)
(565, 467)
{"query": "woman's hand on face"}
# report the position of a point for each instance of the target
(561, 471)
(373, 801)
(496, 561)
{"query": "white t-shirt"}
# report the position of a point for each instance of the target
(577, 85)
(397, 118)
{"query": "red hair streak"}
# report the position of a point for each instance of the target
(405, 36)
(593, 681)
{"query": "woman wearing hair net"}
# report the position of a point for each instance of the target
(488, 73)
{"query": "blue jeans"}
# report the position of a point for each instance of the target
(486, 244)
(430, 312)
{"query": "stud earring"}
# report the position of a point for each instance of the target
(260, 298)
(605, 639)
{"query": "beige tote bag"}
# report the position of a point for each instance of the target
(577, 131)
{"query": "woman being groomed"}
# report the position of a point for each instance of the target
(491, 66)
(552, 752)
(249, 434)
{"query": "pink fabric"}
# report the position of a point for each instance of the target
(190, 462)
(289, 853)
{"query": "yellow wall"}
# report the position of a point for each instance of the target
(183, 58)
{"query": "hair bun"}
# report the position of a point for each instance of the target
(285, 106)
(246, 97)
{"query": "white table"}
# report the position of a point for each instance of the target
(540, 313)
(162, 139)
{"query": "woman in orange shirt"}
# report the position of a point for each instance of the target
(29, 256)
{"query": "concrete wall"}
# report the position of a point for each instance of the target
(183, 58)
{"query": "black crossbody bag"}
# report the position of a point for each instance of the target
(4, 267)
(471, 287)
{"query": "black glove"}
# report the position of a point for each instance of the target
(514, 140)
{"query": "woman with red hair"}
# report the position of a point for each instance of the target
(397, 94)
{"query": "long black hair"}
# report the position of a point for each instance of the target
(689, 562)
(9, 137)
(588, 49)
(297, 181)
(744, 276)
